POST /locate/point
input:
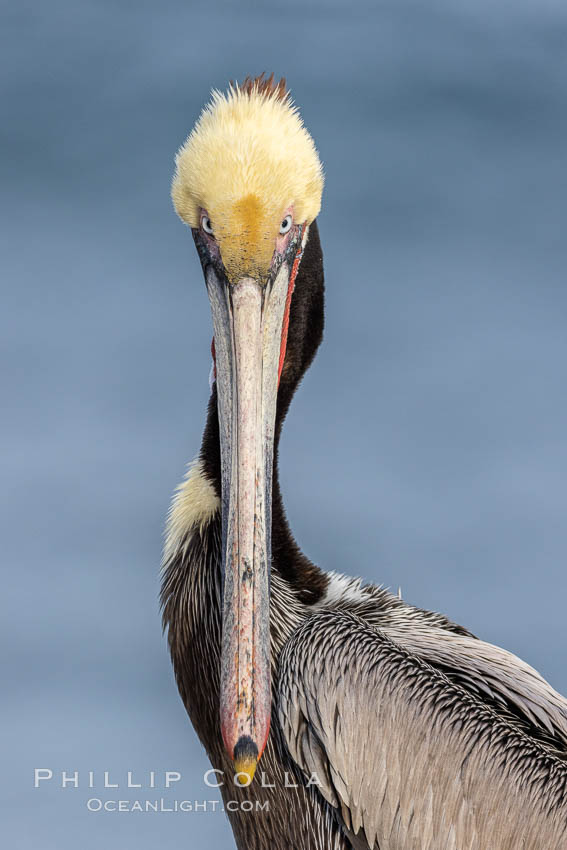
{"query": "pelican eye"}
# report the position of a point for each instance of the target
(207, 226)
(286, 224)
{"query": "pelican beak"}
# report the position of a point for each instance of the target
(250, 331)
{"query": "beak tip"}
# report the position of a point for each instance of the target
(245, 760)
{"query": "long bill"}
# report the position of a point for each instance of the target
(248, 321)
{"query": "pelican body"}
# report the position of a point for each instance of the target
(349, 718)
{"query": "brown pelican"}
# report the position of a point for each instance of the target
(378, 725)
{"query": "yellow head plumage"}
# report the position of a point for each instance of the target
(247, 160)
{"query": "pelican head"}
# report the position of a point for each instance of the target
(248, 182)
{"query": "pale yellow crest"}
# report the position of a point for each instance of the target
(248, 158)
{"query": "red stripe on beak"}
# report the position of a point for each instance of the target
(291, 286)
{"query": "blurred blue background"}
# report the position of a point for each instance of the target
(427, 447)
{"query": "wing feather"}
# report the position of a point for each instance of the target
(488, 670)
(410, 758)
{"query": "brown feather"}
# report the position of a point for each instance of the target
(263, 85)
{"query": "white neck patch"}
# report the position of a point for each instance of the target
(194, 504)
